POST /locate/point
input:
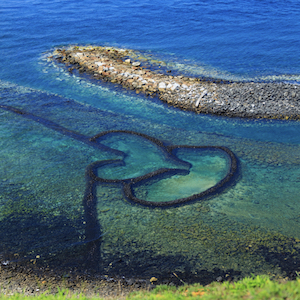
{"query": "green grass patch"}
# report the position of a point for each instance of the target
(60, 295)
(259, 287)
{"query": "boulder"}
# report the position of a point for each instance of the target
(161, 85)
(175, 86)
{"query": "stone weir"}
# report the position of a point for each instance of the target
(234, 99)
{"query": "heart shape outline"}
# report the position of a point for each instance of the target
(129, 183)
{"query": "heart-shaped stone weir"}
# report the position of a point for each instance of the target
(155, 174)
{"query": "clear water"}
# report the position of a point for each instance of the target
(251, 227)
(207, 169)
(142, 157)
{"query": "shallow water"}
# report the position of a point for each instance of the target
(207, 169)
(43, 180)
(252, 226)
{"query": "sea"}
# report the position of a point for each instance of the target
(53, 215)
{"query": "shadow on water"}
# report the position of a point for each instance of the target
(53, 244)
(41, 243)
(35, 239)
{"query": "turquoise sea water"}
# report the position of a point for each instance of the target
(45, 217)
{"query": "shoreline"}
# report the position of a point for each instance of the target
(232, 99)
(34, 281)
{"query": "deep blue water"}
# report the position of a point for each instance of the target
(241, 39)
(43, 171)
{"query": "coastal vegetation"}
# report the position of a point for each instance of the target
(259, 287)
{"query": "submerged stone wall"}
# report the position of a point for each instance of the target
(233, 99)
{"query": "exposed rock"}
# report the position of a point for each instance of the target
(136, 64)
(235, 99)
(161, 85)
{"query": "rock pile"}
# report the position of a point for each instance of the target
(252, 100)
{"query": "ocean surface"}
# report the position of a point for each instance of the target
(47, 116)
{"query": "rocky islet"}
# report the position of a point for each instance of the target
(270, 100)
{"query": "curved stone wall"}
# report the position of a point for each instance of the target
(129, 183)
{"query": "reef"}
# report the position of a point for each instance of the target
(132, 71)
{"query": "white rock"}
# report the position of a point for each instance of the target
(99, 63)
(127, 61)
(184, 86)
(175, 86)
(201, 96)
(170, 85)
(198, 102)
(162, 85)
(136, 64)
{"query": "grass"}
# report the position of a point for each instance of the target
(259, 287)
